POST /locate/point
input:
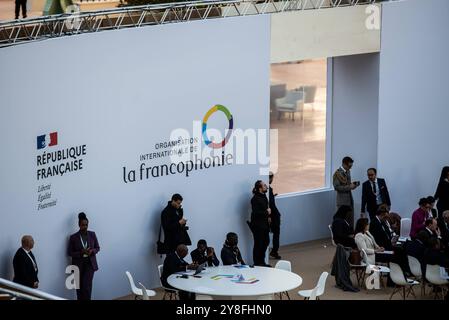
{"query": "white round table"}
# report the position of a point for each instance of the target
(270, 281)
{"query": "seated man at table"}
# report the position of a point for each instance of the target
(381, 230)
(203, 254)
(173, 263)
(429, 232)
(230, 254)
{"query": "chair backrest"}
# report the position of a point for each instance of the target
(293, 96)
(332, 236)
(321, 283)
(310, 92)
(144, 292)
(313, 294)
(160, 268)
(131, 282)
(397, 275)
(433, 275)
(415, 266)
(284, 265)
(406, 225)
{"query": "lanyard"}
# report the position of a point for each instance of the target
(84, 244)
(34, 263)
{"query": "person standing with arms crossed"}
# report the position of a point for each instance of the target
(260, 223)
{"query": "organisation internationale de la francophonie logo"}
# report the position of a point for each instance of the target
(185, 146)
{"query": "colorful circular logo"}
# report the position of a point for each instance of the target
(216, 145)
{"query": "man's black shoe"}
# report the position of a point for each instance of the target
(275, 255)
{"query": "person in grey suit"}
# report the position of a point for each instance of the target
(343, 185)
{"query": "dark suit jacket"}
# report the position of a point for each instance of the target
(415, 248)
(342, 233)
(259, 214)
(24, 272)
(444, 229)
(231, 256)
(201, 258)
(275, 214)
(442, 195)
(436, 257)
(369, 198)
(172, 264)
(381, 233)
(173, 231)
(75, 249)
(425, 236)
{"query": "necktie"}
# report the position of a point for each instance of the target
(374, 188)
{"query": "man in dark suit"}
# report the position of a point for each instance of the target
(429, 232)
(174, 224)
(275, 225)
(204, 254)
(174, 262)
(380, 230)
(443, 226)
(25, 265)
(374, 194)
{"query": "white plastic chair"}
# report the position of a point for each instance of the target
(401, 282)
(415, 269)
(406, 226)
(144, 290)
(381, 269)
(171, 293)
(287, 266)
(315, 293)
(433, 276)
(138, 293)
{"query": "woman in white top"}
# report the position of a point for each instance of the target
(365, 240)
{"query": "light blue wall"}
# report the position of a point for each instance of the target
(414, 99)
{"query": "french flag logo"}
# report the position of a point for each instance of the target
(47, 140)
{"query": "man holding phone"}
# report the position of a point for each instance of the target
(174, 224)
(344, 186)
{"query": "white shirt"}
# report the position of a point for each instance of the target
(377, 193)
(29, 256)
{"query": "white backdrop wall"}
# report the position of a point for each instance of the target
(120, 93)
(413, 99)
